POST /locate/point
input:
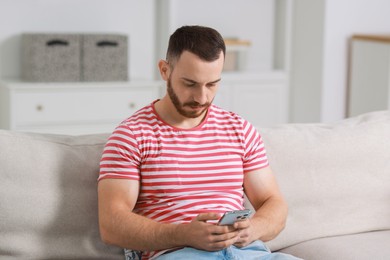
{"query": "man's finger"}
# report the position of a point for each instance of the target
(208, 216)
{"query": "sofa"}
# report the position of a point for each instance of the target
(334, 176)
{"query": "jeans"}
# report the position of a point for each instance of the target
(256, 250)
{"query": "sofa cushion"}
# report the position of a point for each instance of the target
(370, 245)
(48, 197)
(335, 176)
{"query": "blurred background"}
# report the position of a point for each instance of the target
(289, 60)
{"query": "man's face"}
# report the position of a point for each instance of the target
(193, 83)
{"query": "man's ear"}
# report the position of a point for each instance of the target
(164, 69)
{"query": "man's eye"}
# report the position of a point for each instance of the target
(189, 84)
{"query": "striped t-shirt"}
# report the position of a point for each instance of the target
(184, 172)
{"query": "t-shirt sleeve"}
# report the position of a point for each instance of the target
(255, 156)
(121, 156)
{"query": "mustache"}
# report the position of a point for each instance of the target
(196, 104)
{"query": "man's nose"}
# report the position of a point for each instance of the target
(200, 95)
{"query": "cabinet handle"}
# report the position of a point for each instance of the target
(39, 108)
(132, 105)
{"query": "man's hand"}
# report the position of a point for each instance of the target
(208, 236)
(245, 237)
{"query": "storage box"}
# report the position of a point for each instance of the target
(50, 57)
(104, 57)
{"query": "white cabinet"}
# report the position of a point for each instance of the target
(72, 108)
(369, 83)
(87, 108)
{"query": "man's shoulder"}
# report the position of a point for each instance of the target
(142, 113)
(144, 117)
(230, 119)
(225, 115)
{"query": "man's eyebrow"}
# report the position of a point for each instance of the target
(189, 80)
(193, 81)
(215, 81)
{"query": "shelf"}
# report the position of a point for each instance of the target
(372, 37)
(72, 107)
(261, 27)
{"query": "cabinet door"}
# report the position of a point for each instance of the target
(86, 110)
(78, 106)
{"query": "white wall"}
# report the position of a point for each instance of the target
(319, 67)
(134, 18)
(343, 19)
(307, 50)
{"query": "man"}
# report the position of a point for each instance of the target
(171, 170)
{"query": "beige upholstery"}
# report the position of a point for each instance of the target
(48, 202)
(335, 177)
(360, 246)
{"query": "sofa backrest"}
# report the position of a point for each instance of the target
(48, 197)
(335, 177)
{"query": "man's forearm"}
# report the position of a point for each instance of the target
(270, 219)
(129, 230)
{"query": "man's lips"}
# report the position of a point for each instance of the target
(196, 105)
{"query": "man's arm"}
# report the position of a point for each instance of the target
(120, 226)
(263, 192)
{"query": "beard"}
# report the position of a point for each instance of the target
(180, 107)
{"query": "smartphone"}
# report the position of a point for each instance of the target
(230, 217)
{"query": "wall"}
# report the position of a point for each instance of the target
(253, 21)
(306, 60)
(343, 19)
(131, 17)
(319, 62)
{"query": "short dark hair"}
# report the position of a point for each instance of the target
(205, 42)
